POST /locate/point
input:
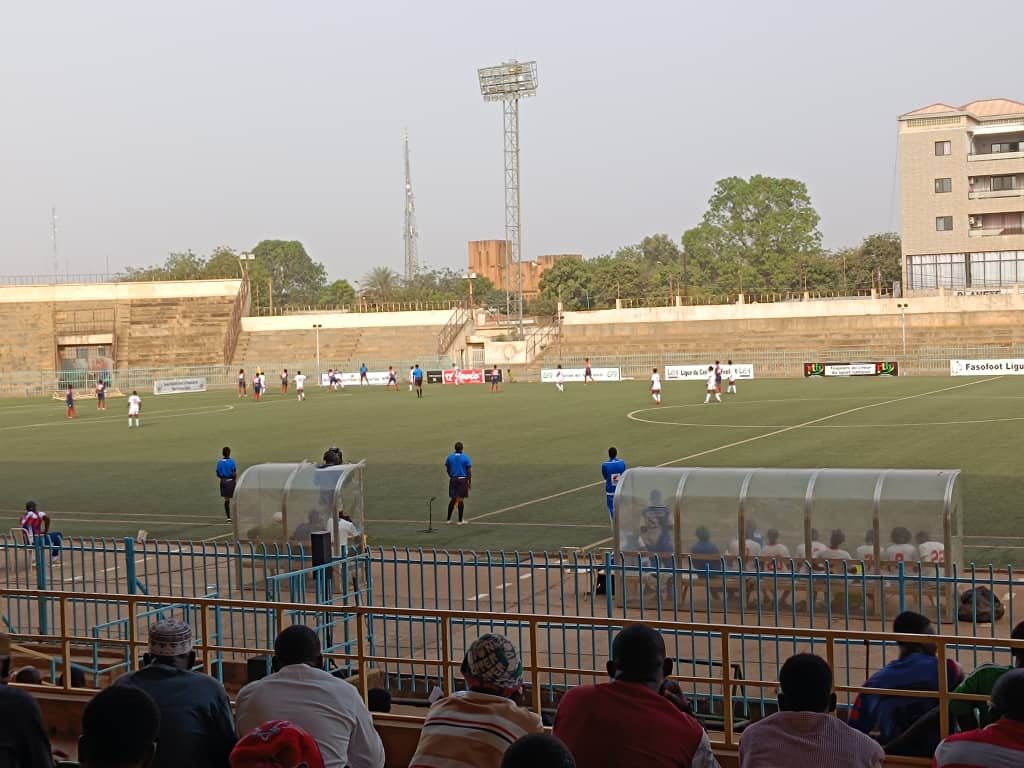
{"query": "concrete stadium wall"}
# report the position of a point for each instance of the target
(171, 289)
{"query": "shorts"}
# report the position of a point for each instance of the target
(458, 488)
(133, 411)
(227, 488)
(101, 396)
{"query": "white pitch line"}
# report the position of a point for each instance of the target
(205, 411)
(824, 426)
(736, 443)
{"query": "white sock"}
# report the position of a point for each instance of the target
(129, 423)
(718, 397)
(707, 398)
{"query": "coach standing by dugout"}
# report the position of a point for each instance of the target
(460, 478)
(227, 471)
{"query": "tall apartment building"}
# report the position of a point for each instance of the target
(962, 195)
(487, 258)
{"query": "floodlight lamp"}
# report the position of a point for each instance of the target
(509, 81)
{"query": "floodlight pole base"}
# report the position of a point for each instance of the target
(430, 516)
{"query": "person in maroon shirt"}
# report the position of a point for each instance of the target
(640, 718)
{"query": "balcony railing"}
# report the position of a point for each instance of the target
(980, 232)
(993, 156)
(984, 194)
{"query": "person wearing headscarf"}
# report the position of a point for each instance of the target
(476, 726)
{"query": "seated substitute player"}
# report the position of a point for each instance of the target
(866, 551)
(417, 380)
(300, 385)
(656, 386)
(135, 409)
(227, 471)
(611, 471)
(931, 551)
(460, 478)
(902, 548)
(714, 386)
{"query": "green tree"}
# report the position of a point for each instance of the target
(337, 293)
(223, 263)
(294, 277)
(757, 235)
(381, 284)
(178, 266)
(568, 281)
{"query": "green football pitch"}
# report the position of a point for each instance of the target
(536, 452)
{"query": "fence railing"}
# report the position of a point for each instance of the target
(459, 319)
(356, 307)
(61, 279)
(725, 693)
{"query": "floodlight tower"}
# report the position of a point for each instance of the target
(411, 235)
(508, 83)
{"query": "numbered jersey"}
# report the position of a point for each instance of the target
(932, 552)
(134, 405)
(899, 553)
(656, 382)
(612, 470)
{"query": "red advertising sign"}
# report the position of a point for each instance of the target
(466, 376)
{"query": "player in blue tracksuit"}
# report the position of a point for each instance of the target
(227, 473)
(611, 470)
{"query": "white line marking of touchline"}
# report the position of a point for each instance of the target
(736, 443)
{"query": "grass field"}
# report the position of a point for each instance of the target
(536, 452)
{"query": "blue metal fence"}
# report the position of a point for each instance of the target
(801, 595)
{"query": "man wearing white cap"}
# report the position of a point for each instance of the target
(196, 725)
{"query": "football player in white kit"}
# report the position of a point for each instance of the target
(731, 377)
(656, 386)
(134, 409)
(712, 386)
(300, 385)
(559, 378)
(930, 551)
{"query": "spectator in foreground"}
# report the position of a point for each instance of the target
(196, 728)
(915, 669)
(23, 740)
(640, 718)
(981, 682)
(119, 729)
(475, 727)
(538, 750)
(1000, 745)
(302, 692)
(804, 727)
(29, 676)
(274, 744)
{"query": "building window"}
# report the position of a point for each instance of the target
(1005, 146)
(944, 148)
(1000, 183)
(943, 185)
(943, 223)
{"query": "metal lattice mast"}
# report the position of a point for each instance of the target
(513, 245)
(508, 83)
(411, 235)
(53, 235)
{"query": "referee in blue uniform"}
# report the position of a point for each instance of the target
(460, 478)
(227, 471)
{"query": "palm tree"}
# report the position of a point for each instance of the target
(381, 284)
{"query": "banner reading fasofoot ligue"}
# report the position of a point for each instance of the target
(700, 372)
(1010, 366)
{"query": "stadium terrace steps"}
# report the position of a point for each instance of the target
(173, 331)
(27, 343)
(337, 344)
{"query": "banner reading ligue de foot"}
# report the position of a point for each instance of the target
(876, 368)
(700, 372)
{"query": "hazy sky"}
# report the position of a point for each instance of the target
(161, 127)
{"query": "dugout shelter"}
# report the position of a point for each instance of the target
(287, 502)
(659, 511)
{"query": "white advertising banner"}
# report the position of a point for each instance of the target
(700, 372)
(176, 386)
(850, 369)
(1013, 366)
(547, 375)
(376, 378)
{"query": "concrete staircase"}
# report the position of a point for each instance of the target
(337, 345)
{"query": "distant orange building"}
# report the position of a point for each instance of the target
(487, 259)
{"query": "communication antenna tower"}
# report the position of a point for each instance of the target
(411, 235)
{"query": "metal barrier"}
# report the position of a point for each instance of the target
(798, 596)
(726, 701)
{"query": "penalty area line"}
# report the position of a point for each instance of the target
(737, 443)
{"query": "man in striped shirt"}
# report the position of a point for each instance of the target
(804, 728)
(1000, 745)
(476, 726)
